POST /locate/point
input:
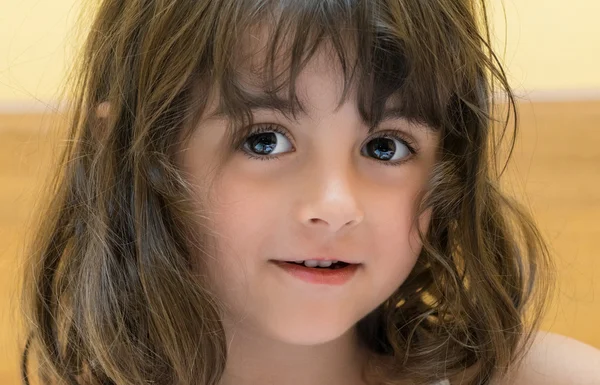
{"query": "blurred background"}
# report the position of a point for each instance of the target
(550, 49)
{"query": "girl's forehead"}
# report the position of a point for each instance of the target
(256, 57)
(252, 75)
(277, 56)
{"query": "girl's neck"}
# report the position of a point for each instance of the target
(257, 360)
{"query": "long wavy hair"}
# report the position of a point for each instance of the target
(109, 293)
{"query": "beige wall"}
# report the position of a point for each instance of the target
(551, 44)
(35, 46)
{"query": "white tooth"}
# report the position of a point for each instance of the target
(311, 263)
(325, 263)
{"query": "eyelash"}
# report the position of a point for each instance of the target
(390, 134)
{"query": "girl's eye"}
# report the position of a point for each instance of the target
(266, 140)
(269, 141)
(389, 148)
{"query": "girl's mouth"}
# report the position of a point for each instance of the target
(335, 274)
(327, 265)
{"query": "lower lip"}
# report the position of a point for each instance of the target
(318, 275)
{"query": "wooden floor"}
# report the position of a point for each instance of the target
(555, 170)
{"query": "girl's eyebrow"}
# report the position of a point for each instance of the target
(264, 102)
(257, 102)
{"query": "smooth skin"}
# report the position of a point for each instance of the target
(557, 360)
(552, 359)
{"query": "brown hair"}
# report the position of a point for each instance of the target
(109, 295)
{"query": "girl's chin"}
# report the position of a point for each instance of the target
(307, 336)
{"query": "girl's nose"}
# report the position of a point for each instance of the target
(329, 201)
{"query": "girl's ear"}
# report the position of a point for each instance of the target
(99, 129)
(103, 110)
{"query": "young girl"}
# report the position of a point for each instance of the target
(284, 192)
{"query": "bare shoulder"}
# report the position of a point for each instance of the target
(557, 360)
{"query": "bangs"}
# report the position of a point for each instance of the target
(402, 58)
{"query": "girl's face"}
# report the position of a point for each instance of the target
(299, 190)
